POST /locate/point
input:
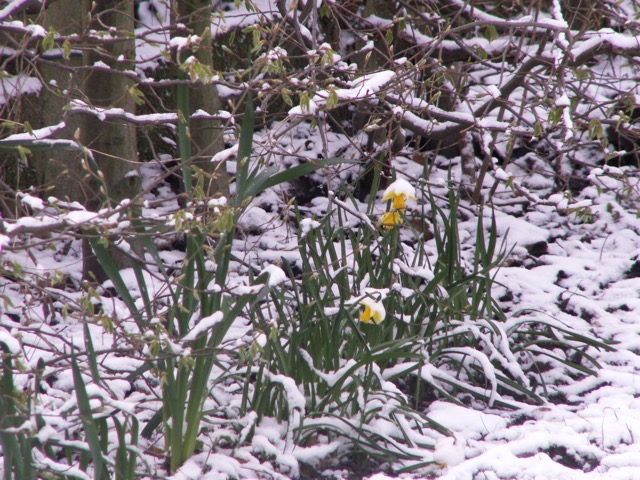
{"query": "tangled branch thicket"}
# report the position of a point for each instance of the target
(147, 333)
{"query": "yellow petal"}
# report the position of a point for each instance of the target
(399, 188)
(388, 195)
(377, 317)
(365, 316)
(399, 202)
(390, 220)
(373, 311)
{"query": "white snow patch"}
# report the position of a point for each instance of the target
(203, 325)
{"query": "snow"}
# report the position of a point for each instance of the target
(519, 231)
(449, 451)
(276, 275)
(362, 88)
(12, 7)
(400, 188)
(180, 43)
(69, 471)
(500, 174)
(243, 16)
(203, 325)
(37, 134)
(563, 101)
(119, 113)
(217, 202)
(37, 31)
(10, 342)
(34, 203)
(584, 282)
(306, 225)
(4, 241)
(25, 84)
(255, 218)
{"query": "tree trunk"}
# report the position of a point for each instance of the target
(60, 174)
(206, 135)
(112, 143)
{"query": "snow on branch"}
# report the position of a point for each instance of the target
(16, 6)
(39, 134)
(603, 41)
(363, 88)
(78, 106)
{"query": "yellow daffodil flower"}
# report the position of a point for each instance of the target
(373, 311)
(399, 192)
(390, 220)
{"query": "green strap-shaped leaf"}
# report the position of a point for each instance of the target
(91, 354)
(184, 139)
(245, 146)
(262, 182)
(88, 422)
(110, 268)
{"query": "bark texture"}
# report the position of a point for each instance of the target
(112, 143)
(206, 134)
(60, 173)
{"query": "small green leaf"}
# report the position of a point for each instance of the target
(555, 114)
(332, 99)
(48, 40)
(490, 33)
(256, 38)
(582, 73)
(136, 93)
(226, 221)
(286, 96)
(66, 50)
(305, 101)
(327, 58)
(509, 182)
(324, 11)
(22, 153)
(389, 36)
(538, 131)
(595, 129)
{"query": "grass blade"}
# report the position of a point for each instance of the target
(88, 422)
(110, 268)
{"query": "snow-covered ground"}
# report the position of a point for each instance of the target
(573, 263)
(589, 427)
(583, 274)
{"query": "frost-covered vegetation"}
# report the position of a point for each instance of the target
(276, 239)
